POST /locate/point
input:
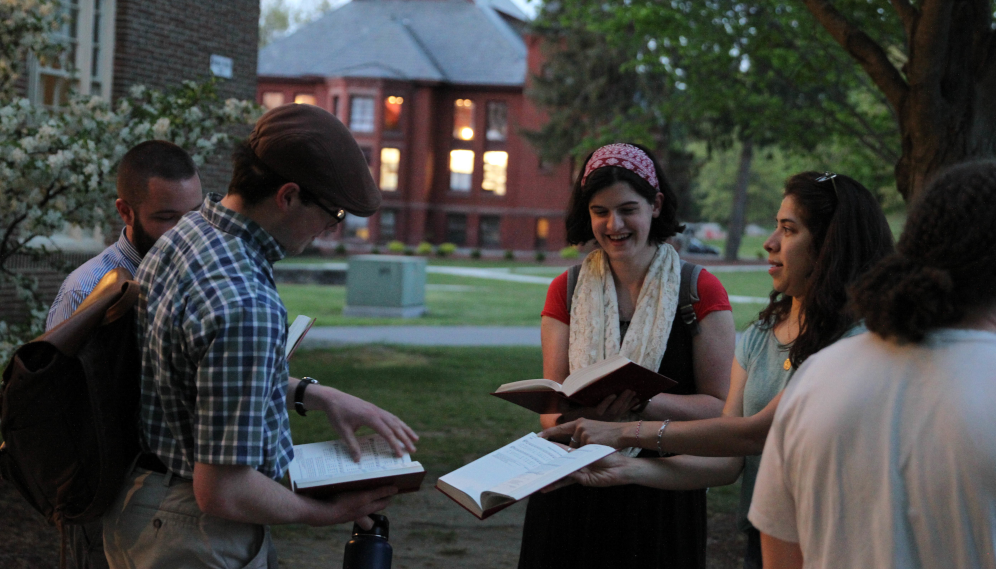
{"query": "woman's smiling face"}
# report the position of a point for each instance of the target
(620, 219)
(790, 251)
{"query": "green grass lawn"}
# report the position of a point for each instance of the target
(450, 300)
(442, 393)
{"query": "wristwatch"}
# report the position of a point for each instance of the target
(299, 394)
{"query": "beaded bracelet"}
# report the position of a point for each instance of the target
(638, 425)
(660, 434)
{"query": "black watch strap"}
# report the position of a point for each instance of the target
(299, 394)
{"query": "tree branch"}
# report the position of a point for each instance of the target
(930, 43)
(861, 47)
(907, 15)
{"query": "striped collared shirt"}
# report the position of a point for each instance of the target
(84, 279)
(212, 332)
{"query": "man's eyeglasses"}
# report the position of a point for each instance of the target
(829, 176)
(337, 214)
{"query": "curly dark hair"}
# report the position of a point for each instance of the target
(254, 181)
(579, 218)
(945, 263)
(849, 235)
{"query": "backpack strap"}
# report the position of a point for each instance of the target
(572, 283)
(688, 294)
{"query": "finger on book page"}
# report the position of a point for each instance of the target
(397, 434)
(560, 431)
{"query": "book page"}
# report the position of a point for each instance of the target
(296, 332)
(587, 375)
(545, 474)
(512, 460)
(326, 460)
(529, 385)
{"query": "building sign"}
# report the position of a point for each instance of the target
(221, 66)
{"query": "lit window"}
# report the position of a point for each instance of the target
(304, 99)
(497, 120)
(495, 172)
(361, 114)
(273, 99)
(463, 119)
(388, 224)
(392, 112)
(335, 105)
(86, 65)
(489, 231)
(461, 169)
(390, 159)
(456, 228)
(542, 232)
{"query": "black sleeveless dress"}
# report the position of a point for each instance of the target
(623, 526)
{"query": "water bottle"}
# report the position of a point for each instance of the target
(369, 549)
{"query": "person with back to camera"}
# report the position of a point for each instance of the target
(883, 450)
(625, 301)
(830, 229)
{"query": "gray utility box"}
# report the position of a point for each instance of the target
(385, 286)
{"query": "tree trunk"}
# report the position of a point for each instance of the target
(948, 115)
(738, 211)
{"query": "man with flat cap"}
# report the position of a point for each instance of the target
(215, 388)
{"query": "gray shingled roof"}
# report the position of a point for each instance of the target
(453, 41)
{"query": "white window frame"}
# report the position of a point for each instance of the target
(81, 74)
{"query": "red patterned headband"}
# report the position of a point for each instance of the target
(624, 156)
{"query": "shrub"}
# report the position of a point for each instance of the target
(445, 249)
(375, 250)
(395, 247)
(409, 251)
(570, 252)
(509, 255)
(424, 249)
(540, 256)
(475, 254)
(340, 250)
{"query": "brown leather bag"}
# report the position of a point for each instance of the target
(69, 404)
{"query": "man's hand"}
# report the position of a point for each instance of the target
(586, 432)
(348, 413)
(349, 507)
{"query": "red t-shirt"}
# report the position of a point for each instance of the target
(712, 298)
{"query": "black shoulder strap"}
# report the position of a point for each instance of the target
(572, 283)
(688, 294)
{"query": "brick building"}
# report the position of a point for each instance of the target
(157, 43)
(433, 92)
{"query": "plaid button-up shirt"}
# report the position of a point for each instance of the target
(212, 331)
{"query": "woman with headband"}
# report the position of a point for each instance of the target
(626, 301)
(830, 230)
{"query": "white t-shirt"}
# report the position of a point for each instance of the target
(884, 455)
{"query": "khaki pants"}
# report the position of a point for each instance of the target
(155, 523)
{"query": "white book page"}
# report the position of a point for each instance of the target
(510, 461)
(330, 459)
(545, 474)
(588, 375)
(295, 331)
(530, 385)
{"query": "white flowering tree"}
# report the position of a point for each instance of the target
(57, 166)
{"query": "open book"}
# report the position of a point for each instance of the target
(513, 472)
(296, 332)
(323, 469)
(586, 387)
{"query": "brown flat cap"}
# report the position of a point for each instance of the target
(309, 146)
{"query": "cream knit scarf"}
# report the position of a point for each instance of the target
(595, 312)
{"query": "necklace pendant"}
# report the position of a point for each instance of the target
(787, 365)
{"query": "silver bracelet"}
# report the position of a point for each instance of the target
(660, 434)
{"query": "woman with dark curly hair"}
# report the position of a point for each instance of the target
(830, 229)
(883, 449)
(626, 302)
